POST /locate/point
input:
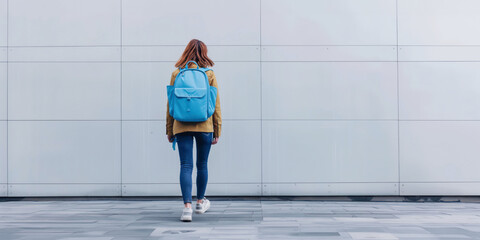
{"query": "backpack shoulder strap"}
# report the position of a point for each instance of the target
(180, 70)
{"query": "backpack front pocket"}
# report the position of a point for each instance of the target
(190, 104)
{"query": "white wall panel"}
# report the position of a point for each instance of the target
(432, 22)
(3, 91)
(439, 53)
(329, 90)
(3, 190)
(239, 89)
(225, 22)
(144, 90)
(236, 158)
(64, 152)
(440, 188)
(439, 151)
(330, 189)
(63, 54)
(64, 22)
(329, 151)
(64, 189)
(75, 91)
(154, 189)
(329, 53)
(317, 22)
(3, 22)
(439, 90)
(313, 99)
(145, 96)
(173, 189)
(3, 152)
(173, 53)
(3, 54)
(149, 158)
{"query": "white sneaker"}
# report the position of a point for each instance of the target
(203, 206)
(186, 214)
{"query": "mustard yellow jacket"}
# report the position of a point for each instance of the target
(213, 123)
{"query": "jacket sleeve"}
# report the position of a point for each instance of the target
(217, 114)
(169, 120)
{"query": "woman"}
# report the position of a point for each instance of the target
(205, 133)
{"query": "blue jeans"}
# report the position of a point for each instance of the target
(203, 141)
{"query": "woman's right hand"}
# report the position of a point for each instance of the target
(170, 138)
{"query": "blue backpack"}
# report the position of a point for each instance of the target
(191, 98)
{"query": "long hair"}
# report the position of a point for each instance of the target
(196, 51)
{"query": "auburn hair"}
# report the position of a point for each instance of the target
(196, 51)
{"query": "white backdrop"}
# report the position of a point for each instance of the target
(318, 97)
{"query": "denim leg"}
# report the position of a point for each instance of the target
(204, 142)
(185, 150)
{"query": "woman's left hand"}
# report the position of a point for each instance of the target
(215, 141)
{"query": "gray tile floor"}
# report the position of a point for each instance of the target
(238, 219)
